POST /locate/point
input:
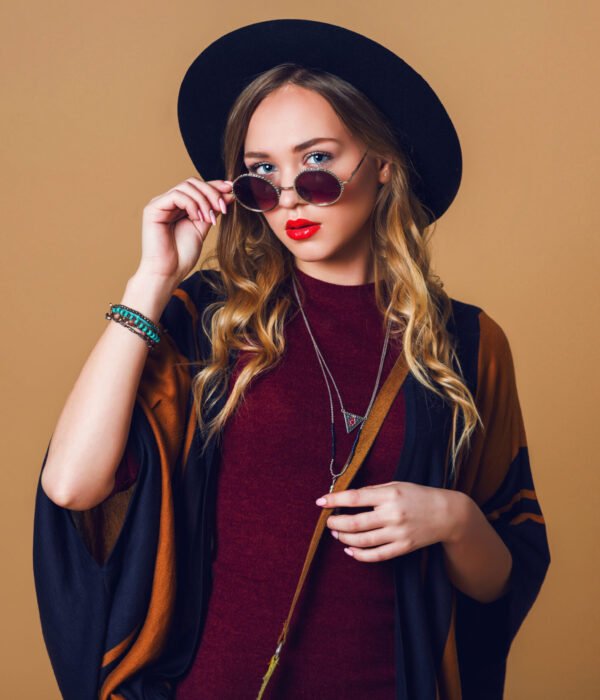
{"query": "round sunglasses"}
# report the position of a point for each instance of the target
(317, 186)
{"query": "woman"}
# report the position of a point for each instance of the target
(198, 504)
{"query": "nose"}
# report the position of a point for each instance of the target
(288, 198)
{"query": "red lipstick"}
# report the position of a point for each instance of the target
(299, 229)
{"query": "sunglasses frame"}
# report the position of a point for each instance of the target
(278, 189)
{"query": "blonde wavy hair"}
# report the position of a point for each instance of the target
(256, 268)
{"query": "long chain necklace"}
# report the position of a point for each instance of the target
(351, 420)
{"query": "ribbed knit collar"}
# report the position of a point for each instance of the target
(349, 295)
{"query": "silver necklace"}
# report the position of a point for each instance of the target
(351, 420)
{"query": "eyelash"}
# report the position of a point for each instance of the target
(253, 167)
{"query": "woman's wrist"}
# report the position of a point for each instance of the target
(457, 511)
(148, 295)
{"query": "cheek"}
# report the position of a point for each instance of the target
(277, 230)
(352, 213)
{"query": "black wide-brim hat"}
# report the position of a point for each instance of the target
(224, 68)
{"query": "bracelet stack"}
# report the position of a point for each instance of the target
(135, 322)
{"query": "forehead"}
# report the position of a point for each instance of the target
(289, 116)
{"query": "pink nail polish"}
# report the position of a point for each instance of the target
(222, 205)
(213, 217)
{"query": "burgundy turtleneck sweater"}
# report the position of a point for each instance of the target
(275, 464)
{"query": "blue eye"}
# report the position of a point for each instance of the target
(254, 167)
(328, 156)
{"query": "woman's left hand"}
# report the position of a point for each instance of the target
(405, 516)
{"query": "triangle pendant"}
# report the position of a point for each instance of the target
(352, 420)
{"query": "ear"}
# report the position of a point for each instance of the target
(383, 170)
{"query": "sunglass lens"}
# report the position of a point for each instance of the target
(255, 192)
(318, 187)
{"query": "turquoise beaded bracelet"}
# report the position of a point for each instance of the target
(135, 322)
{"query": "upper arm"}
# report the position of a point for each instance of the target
(496, 473)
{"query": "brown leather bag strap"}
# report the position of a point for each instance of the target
(372, 424)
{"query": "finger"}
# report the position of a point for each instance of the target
(199, 210)
(222, 185)
(356, 522)
(227, 197)
(203, 197)
(226, 189)
(353, 498)
(217, 199)
(183, 201)
(382, 553)
(211, 190)
(372, 538)
(375, 486)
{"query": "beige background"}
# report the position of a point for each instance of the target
(89, 135)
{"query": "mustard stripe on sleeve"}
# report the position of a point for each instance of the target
(523, 493)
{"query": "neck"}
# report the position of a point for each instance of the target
(359, 272)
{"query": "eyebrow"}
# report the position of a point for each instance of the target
(299, 147)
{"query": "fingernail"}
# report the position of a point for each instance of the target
(334, 533)
(222, 205)
(348, 551)
(321, 501)
(213, 217)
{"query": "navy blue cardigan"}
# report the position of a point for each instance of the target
(123, 588)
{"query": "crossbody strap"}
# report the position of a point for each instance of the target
(372, 424)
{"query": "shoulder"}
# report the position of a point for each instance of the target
(472, 321)
(480, 341)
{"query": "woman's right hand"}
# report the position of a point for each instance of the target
(175, 225)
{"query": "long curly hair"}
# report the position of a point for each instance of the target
(256, 268)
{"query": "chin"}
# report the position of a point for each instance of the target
(312, 250)
(319, 247)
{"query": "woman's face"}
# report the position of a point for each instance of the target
(287, 117)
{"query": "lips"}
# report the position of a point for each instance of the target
(299, 229)
(300, 223)
(299, 233)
